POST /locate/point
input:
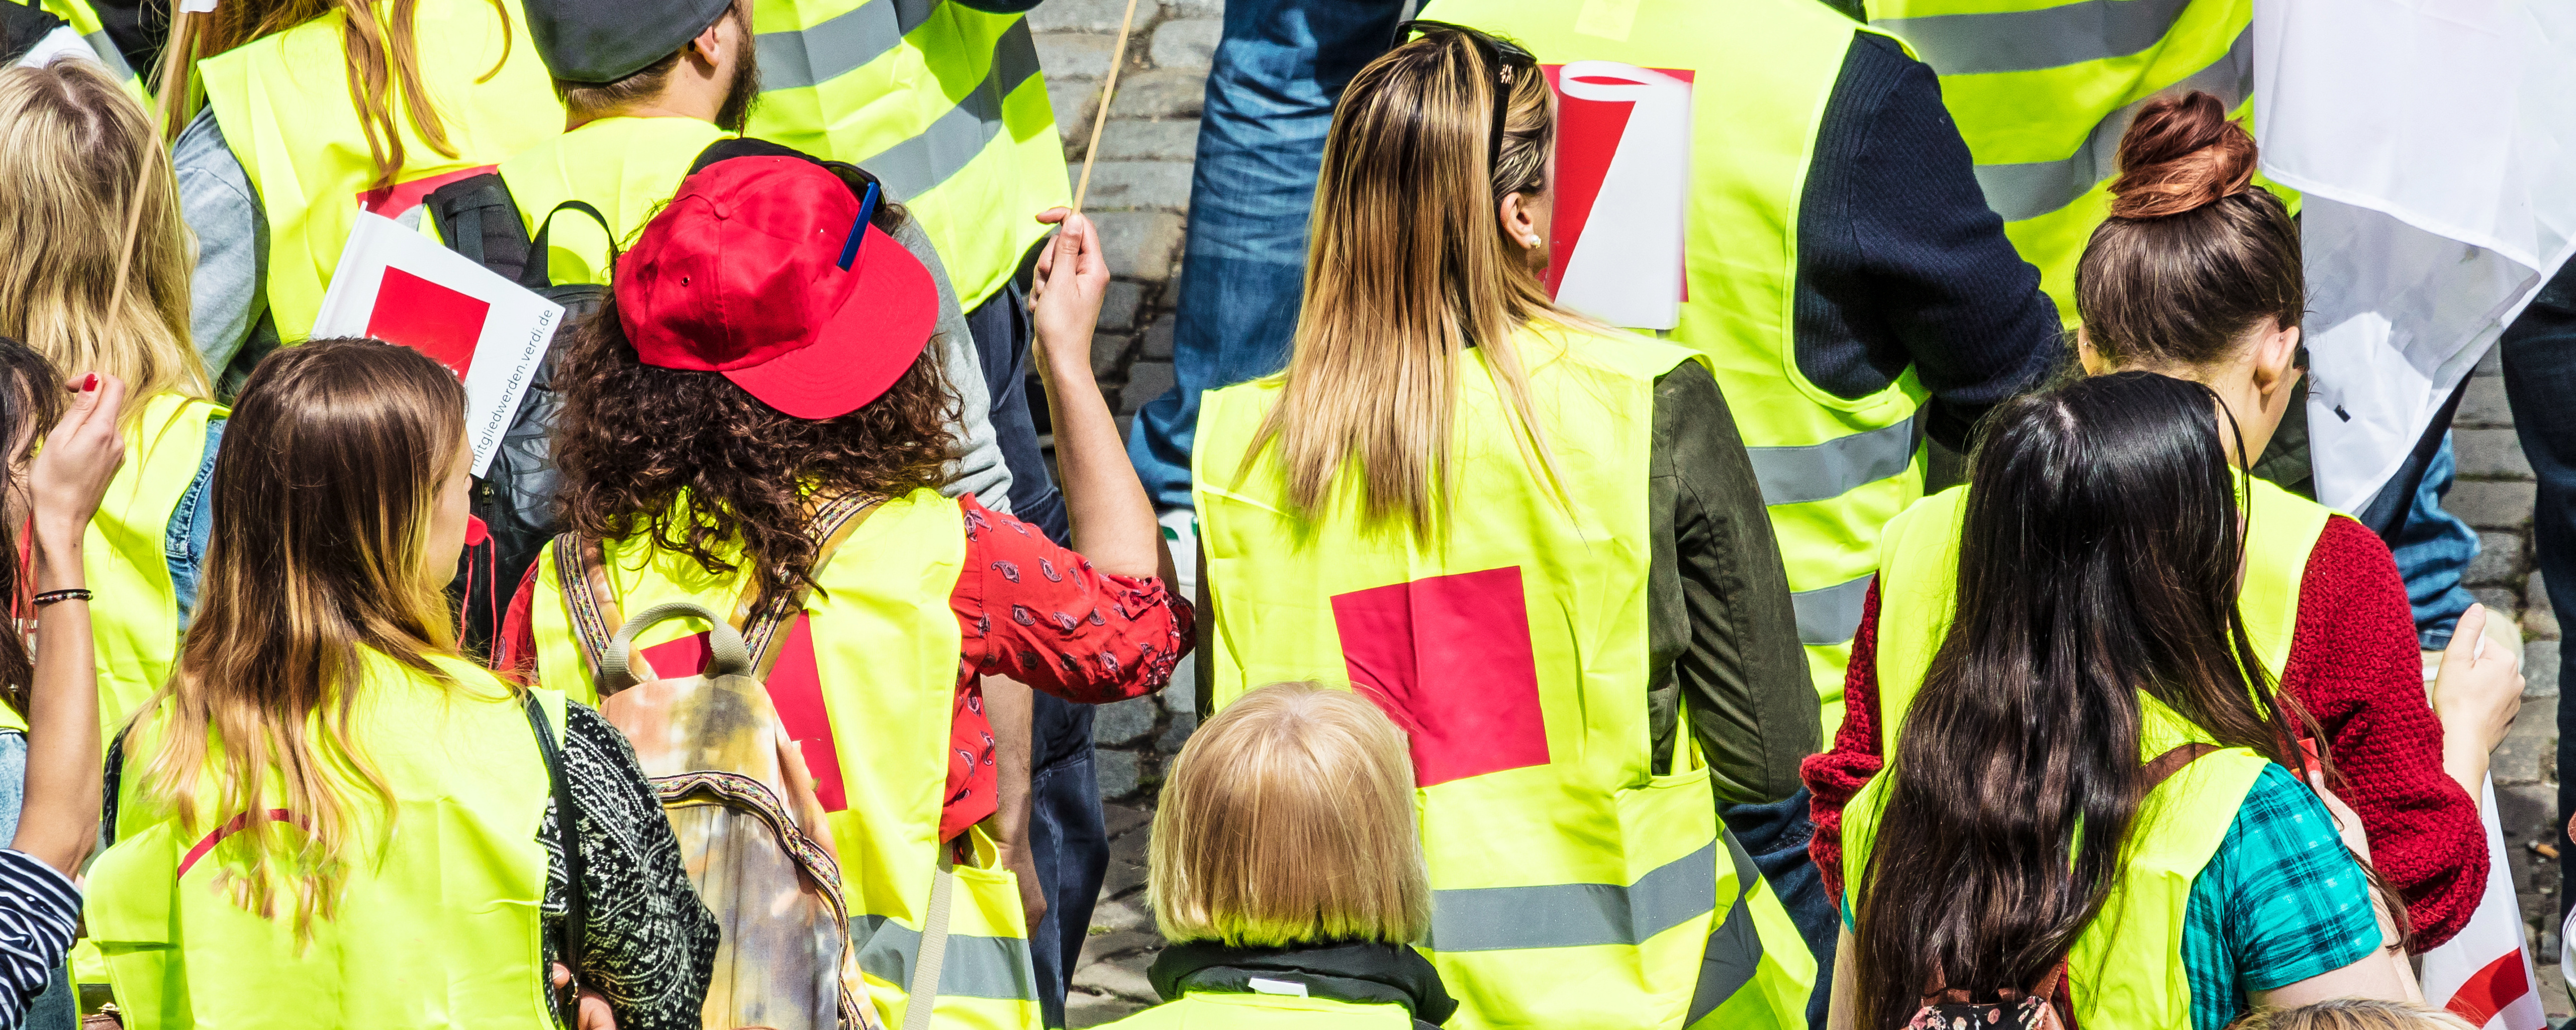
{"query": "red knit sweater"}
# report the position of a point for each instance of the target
(2354, 664)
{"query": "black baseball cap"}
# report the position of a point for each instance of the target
(594, 41)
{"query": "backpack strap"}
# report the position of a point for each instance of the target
(477, 218)
(534, 276)
(832, 522)
(2163, 766)
(576, 920)
(581, 567)
(582, 570)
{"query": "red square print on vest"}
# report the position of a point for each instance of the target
(1448, 658)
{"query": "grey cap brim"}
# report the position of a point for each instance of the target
(596, 41)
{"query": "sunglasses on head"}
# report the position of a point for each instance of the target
(1504, 56)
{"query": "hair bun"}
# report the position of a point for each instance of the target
(2180, 153)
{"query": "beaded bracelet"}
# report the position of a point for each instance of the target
(71, 594)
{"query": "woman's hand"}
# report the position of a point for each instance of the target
(592, 1007)
(71, 472)
(1065, 295)
(2475, 696)
(1113, 522)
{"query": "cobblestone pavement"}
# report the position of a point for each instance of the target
(1140, 188)
(1139, 194)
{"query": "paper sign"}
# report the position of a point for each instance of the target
(1623, 192)
(397, 286)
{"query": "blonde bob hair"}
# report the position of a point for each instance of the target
(94, 259)
(2355, 1014)
(1287, 820)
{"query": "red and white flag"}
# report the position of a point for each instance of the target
(395, 285)
(1622, 184)
(2485, 974)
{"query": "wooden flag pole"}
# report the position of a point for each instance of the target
(1108, 90)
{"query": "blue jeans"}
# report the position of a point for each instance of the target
(1068, 842)
(2539, 375)
(1279, 68)
(2433, 549)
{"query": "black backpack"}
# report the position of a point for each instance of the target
(515, 497)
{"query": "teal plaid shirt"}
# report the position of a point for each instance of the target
(2282, 901)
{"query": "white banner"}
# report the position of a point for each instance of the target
(2435, 141)
(2485, 974)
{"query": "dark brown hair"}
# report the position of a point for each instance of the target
(31, 400)
(2097, 566)
(2193, 256)
(633, 441)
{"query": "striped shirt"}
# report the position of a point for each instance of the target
(38, 909)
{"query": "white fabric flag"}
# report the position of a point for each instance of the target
(2435, 141)
(392, 283)
(2485, 974)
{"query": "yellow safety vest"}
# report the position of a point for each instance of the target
(2126, 969)
(135, 621)
(84, 20)
(283, 102)
(1573, 887)
(626, 167)
(438, 924)
(2043, 91)
(886, 647)
(942, 102)
(1919, 568)
(1209, 1010)
(1832, 470)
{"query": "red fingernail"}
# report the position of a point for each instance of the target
(89, 382)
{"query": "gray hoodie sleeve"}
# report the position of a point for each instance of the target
(978, 469)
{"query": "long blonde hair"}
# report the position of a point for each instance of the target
(382, 59)
(1288, 819)
(1407, 267)
(94, 259)
(322, 499)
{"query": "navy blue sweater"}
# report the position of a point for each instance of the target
(1901, 263)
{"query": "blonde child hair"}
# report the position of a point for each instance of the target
(1288, 819)
(2355, 1014)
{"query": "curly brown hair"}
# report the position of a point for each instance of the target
(633, 439)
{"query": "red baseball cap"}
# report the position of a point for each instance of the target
(741, 274)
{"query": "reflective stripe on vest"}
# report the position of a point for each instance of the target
(440, 926)
(84, 20)
(1198, 1010)
(1920, 563)
(1833, 469)
(2126, 968)
(943, 102)
(1573, 887)
(135, 621)
(879, 646)
(283, 103)
(2043, 95)
(626, 167)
